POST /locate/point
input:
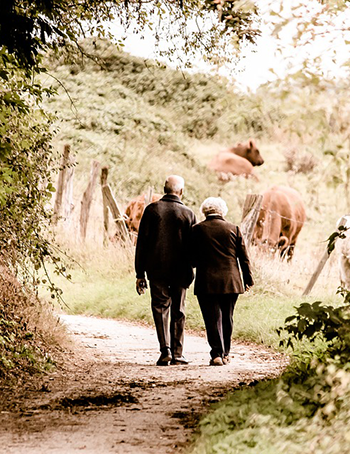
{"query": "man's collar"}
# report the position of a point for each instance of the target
(172, 198)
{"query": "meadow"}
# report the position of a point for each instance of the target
(145, 121)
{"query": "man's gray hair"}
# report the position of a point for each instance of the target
(214, 205)
(174, 183)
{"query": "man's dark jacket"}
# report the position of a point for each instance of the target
(162, 249)
(217, 246)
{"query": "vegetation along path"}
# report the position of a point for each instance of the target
(110, 397)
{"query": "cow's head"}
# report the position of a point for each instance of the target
(264, 239)
(260, 236)
(253, 154)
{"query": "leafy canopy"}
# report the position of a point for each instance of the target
(27, 27)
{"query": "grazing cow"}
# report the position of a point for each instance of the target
(134, 211)
(237, 160)
(282, 216)
(343, 249)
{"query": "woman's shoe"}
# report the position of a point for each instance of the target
(226, 359)
(216, 361)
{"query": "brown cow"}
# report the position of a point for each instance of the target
(282, 216)
(237, 160)
(134, 211)
(248, 151)
(226, 164)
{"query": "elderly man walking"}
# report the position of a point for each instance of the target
(162, 252)
(218, 253)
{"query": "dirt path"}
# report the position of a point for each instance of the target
(111, 398)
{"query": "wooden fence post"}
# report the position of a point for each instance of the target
(116, 213)
(104, 177)
(251, 210)
(61, 184)
(148, 196)
(342, 222)
(315, 275)
(87, 198)
(68, 205)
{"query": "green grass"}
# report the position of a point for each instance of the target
(273, 418)
(91, 293)
(104, 285)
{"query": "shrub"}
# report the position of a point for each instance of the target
(29, 332)
(299, 162)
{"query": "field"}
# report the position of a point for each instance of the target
(144, 122)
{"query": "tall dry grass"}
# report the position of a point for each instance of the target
(31, 335)
(103, 281)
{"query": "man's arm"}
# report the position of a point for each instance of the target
(141, 285)
(141, 253)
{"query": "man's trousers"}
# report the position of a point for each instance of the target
(168, 302)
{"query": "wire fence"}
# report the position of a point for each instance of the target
(278, 214)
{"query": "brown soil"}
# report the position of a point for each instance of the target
(110, 397)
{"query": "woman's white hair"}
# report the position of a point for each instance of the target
(214, 205)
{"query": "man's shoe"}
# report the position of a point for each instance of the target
(179, 361)
(216, 361)
(165, 357)
(226, 359)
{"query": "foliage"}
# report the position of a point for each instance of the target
(300, 162)
(339, 234)
(314, 321)
(313, 38)
(27, 161)
(29, 27)
(280, 416)
(27, 332)
(340, 165)
(198, 101)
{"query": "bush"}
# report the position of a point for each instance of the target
(29, 332)
(299, 162)
(281, 416)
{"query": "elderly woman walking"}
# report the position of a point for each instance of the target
(218, 253)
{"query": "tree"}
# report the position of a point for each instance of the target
(27, 161)
(27, 27)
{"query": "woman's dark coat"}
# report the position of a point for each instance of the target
(218, 253)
